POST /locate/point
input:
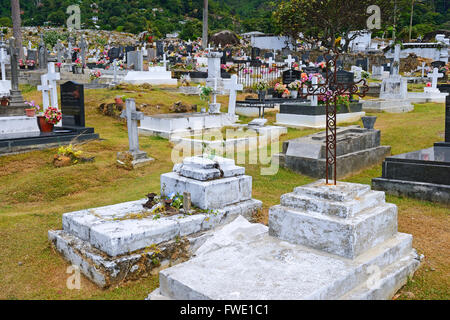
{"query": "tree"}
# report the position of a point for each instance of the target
(326, 20)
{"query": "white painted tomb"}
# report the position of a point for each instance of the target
(154, 76)
(394, 92)
(430, 94)
(323, 243)
(111, 246)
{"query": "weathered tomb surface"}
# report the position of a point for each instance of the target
(357, 149)
(323, 242)
(214, 183)
(181, 124)
(126, 241)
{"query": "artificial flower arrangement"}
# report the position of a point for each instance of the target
(322, 65)
(428, 84)
(262, 86)
(365, 74)
(295, 85)
(58, 64)
(21, 64)
(101, 61)
(282, 89)
(30, 63)
(78, 63)
(33, 105)
(52, 115)
(95, 74)
(76, 49)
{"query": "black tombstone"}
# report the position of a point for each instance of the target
(229, 56)
(447, 121)
(74, 56)
(345, 77)
(305, 57)
(268, 55)
(32, 55)
(189, 48)
(171, 48)
(312, 70)
(363, 63)
(159, 48)
(255, 52)
(320, 59)
(438, 64)
(223, 59)
(290, 76)
(114, 53)
(72, 104)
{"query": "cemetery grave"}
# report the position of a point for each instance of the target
(200, 233)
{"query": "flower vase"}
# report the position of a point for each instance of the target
(294, 94)
(30, 67)
(30, 112)
(44, 126)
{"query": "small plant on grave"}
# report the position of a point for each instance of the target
(94, 75)
(365, 74)
(205, 93)
(261, 86)
(67, 156)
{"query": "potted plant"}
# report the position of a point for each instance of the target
(94, 76)
(33, 108)
(51, 117)
(261, 88)
(205, 94)
(294, 87)
(78, 66)
(21, 64)
(4, 101)
(30, 64)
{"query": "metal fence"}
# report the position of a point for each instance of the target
(251, 72)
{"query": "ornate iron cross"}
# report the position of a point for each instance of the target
(332, 90)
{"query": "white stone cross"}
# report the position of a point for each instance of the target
(395, 68)
(52, 77)
(314, 101)
(233, 86)
(3, 61)
(434, 76)
(45, 88)
(289, 61)
(115, 71)
(270, 62)
(165, 61)
(132, 117)
(423, 68)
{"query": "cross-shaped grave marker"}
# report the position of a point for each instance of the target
(423, 68)
(233, 86)
(132, 116)
(45, 88)
(289, 61)
(333, 89)
(52, 77)
(434, 78)
(165, 61)
(3, 61)
(83, 47)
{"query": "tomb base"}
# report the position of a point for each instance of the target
(302, 255)
(357, 149)
(425, 97)
(18, 124)
(389, 106)
(315, 121)
(423, 174)
(110, 249)
(182, 124)
(135, 159)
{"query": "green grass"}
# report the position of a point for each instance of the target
(34, 195)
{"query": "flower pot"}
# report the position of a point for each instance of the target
(30, 112)
(369, 122)
(4, 102)
(30, 67)
(43, 125)
(294, 94)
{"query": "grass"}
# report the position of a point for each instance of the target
(34, 195)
